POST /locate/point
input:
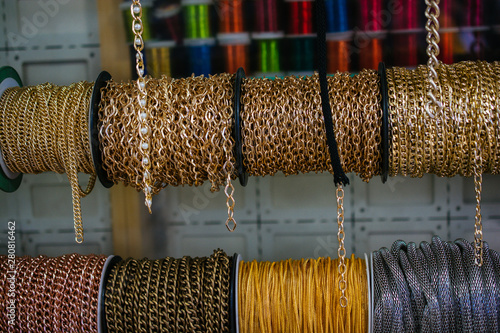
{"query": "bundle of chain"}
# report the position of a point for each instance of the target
(169, 295)
(58, 294)
(283, 127)
(302, 296)
(454, 140)
(45, 128)
(190, 120)
(436, 288)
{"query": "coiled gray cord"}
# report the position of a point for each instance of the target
(435, 287)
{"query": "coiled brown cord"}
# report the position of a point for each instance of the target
(52, 294)
(169, 295)
(45, 128)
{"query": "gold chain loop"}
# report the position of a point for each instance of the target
(341, 250)
(144, 130)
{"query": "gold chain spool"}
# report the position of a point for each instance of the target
(45, 128)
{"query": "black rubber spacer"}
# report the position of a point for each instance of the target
(385, 121)
(232, 295)
(238, 142)
(105, 276)
(94, 131)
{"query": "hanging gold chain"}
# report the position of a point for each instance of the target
(478, 181)
(341, 250)
(144, 130)
(229, 190)
(432, 27)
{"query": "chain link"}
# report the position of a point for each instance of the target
(478, 181)
(432, 27)
(229, 190)
(341, 250)
(143, 114)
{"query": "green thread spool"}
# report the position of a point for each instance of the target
(269, 55)
(197, 19)
(302, 54)
(146, 23)
(159, 58)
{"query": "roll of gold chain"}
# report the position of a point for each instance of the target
(169, 295)
(45, 128)
(52, 294)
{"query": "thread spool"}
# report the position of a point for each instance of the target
(337, 16)
(474, 29)
(339, 57)
(268, 56)
(338, 37)
(167, 21)
(230, 16)
(147, 6)
(159, 60)
(301, 54)
(372, 31)
(405, 29)
(372, 54)
(196, 18)
(235, 50)
(9, 181)
(300, 17)
(447, 31)
(200, 55)
(266, 16)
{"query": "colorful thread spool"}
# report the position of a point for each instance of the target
(447, 31)
(338, 37)
(301, 58)
(405, 29)
(167, 21)
(339, 57)
(200, 55)
(231, 18)
(235, 51)
(196, 18)
(159, 60)
(474, 29)
(337, 15)
(372, 30)
(300, 17)
(147, 6)
(268, 56)
(266, 16)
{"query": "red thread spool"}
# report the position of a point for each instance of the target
(338, 56)
(231, 16)
(447, 24)
(266, 16)
(405, 50)
(475, 13)
(300, 17)
(406, 16)
(235, 56)
(371, 55)
(371, 16)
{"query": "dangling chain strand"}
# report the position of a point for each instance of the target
(144, 130)
(478, 180)
(341, 250)
(432, 27)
